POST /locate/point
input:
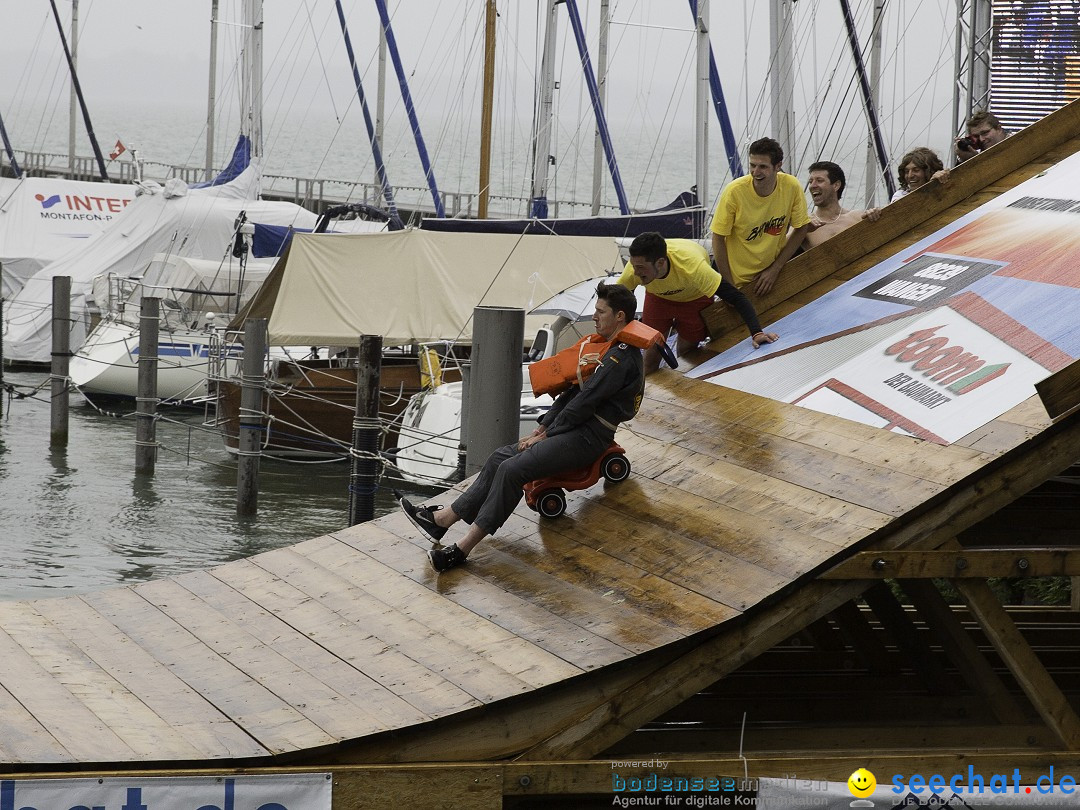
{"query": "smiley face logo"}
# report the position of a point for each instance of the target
(861, 783)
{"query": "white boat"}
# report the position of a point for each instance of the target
(429, 439)
(198, 296)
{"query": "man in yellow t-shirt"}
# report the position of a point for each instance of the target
(751, 243)
(679, 283)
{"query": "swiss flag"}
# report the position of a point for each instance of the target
(118, 150)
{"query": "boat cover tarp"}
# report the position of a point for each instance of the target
(42, 218)
(683, 218)
(196, 223)
(272, 240)
(415, 286)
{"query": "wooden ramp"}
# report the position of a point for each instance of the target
(558, 638)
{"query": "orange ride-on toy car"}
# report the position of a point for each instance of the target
(546, 495)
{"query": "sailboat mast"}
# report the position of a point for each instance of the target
(868, 97)
(875, 90)
(782, 79)
(73, 100)
(410, 108)
(544, 115)
(701, 102)
(485, 109)
(211, 93)
(598, 109)
(252, 67)
(78, 92)
(601, 81)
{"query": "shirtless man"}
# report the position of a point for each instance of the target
(827, 184)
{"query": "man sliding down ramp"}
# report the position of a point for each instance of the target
(575, 432)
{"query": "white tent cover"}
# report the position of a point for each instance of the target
(415, 286)
(197, 224)
(42, 218)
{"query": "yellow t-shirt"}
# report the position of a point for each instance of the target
(691, 275)
(755, 228)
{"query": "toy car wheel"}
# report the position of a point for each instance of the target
(616, 468)
(551, 504)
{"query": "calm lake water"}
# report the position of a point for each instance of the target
(80, 519)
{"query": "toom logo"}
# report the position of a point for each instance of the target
(928, 280)
(950, 366)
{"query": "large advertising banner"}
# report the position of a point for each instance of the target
(300, 791)
(946, 335)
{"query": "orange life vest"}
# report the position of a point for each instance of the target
(575, 364)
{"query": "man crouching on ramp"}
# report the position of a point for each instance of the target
(575, 432)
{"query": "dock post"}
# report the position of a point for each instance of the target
(494, 410)
(2, 390)
(146, 400)
(61, 357)
(364, 455)
(251, 417)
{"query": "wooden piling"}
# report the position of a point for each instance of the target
(61, 356)
(146, 400)
(494, 409)
(251, 417)
(364, 456)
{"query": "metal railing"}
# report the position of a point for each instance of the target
(314, 193)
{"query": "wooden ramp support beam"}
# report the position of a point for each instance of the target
(1025, 666)
(915, 651)
(670, 685)
(959, 563)
(962, 650)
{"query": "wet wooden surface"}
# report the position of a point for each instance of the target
(733, 498)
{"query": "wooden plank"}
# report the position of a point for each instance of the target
(1060, 392)
(518, 614)
(761, 497)
(962, 651)
(530, 663)
(273, 723)
(23, 739)
(1025, 666)
(427, 692)
(141, 701)
(691, 528)
(866, 485)
(386, 709)
(410, 634)
(966, 563)
(262, 663)
(620, 570)
(82, 734)
(517, 570)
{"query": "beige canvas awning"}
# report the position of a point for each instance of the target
(414, 286)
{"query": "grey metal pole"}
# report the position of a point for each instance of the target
(364, 468)
(251, 417)
(495, 386)
(61, 354)
(146, 400)
(463, 433)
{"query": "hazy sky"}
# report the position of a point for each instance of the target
(153, 54)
